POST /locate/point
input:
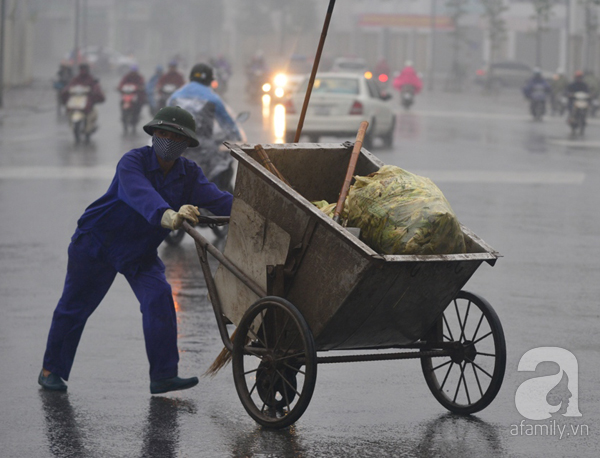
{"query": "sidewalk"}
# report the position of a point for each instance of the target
(37, 97)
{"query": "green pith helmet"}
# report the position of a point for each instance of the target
(174, 119)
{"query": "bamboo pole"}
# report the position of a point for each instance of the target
(350, 172)
(311, 82)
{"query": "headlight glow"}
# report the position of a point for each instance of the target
(280, 79)
(266, 87)
(279, 92)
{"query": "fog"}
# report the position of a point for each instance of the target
(40, 33)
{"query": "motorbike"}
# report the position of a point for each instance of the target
(82, 124)
(256, 79)
(130, 107)
(58, 86)
(218, 167)
(578, 115)
(594, 105)
(537, 101)
(558, 104)
(407, 96)
(221, 81)
(163, 95)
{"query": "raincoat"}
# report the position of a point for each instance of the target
(207, 107)
(136, 79)
(85, 79)
(408, 76)
(171, 77)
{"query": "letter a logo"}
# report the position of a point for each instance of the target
(531, 398)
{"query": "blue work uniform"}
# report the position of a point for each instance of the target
(121, 232)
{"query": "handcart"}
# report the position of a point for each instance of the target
(297, 285)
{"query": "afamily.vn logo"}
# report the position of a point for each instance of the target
(549, 396)
(532, 396)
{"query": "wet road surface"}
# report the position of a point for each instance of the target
(524, 187)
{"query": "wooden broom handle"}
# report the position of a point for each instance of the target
(265, 160)
(350, 172)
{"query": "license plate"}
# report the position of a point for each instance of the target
(322, 110)
(77, 102)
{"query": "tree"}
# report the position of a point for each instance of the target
(287, 16)
(456, 10)
(591, 32)
(492, 11)
(543, 11)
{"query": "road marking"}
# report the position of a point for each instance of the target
(574, 143)
(60, 173)
(495, 116)
(502, 177)
(442, 176)
(468, 114)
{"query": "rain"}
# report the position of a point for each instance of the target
(488, 351)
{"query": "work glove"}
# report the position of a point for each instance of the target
(174, 220)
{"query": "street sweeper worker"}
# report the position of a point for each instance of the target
(152, 193)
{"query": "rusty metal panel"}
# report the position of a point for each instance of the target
(252, 244)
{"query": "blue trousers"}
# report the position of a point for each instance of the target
(88, 280)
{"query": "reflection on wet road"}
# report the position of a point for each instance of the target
(526, 188)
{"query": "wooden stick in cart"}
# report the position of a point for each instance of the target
(265, 160)
(313, 73)
(350, 172)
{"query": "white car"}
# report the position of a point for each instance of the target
(339, 102)
(349, 65)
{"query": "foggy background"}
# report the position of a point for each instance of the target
(465, 35)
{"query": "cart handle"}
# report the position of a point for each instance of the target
(203, 247)
(215, 220)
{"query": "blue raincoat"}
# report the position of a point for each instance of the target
(206, 106)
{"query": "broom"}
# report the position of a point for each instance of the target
(225, 356)
(221, 360)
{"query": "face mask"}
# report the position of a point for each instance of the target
(168, 150)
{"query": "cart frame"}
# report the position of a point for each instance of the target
(461, 351)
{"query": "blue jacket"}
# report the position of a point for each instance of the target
(194, 97)
(125, 222)
(537, 88)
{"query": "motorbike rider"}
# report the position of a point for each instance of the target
(209, 111)
(256, 74)
(594, 90)
(151, 89)
(134, 78)
(537, 88)
(558, 87)
(223, 72)
(257, 63)
(95, 95)
(63, 77)
(221, 65)
(577, 85)
(171, 78)
(592, 83)
(206, 106)
(408, 77)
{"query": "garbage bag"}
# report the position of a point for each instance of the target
(399, 212)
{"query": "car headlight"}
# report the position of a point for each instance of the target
(280, 80)
(266, 87)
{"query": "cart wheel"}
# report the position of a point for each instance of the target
(274, 362)
(469, 380)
